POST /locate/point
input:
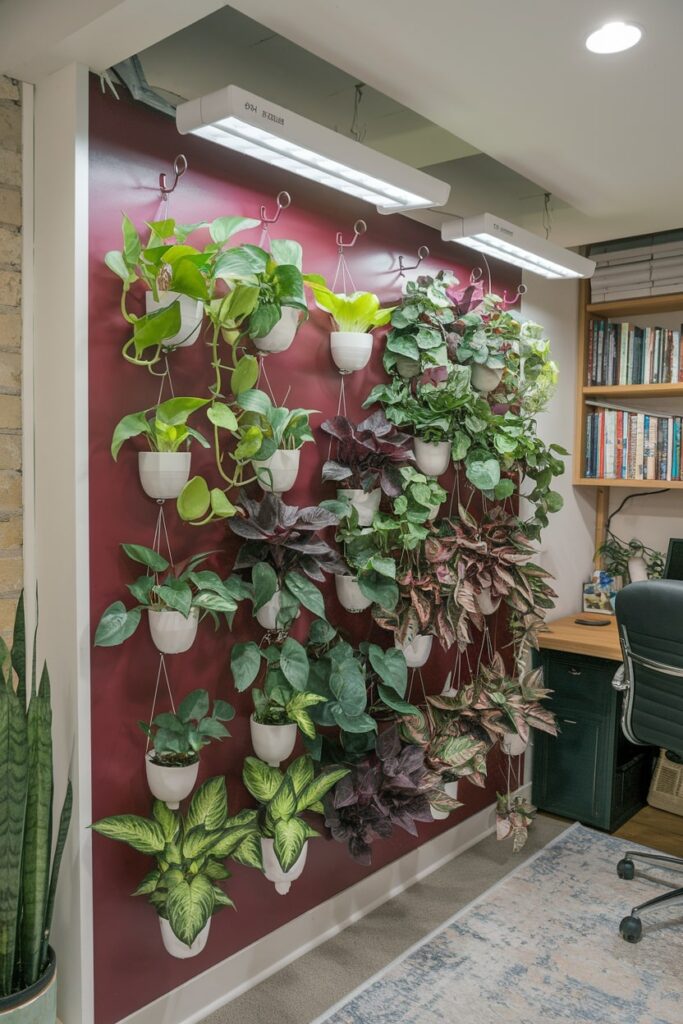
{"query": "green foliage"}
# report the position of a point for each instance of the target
(419, 324)
(184, 587)
(177, 737)
(265, 428)
(190, 851)
(430, 406)
(166, 430)
(359, 312)
(28, 867)
(284, 797)
(615, 555)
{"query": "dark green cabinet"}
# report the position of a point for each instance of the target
(588, 772)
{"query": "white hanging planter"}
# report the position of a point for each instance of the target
(178, 949)
(282, 335)
(170, 783)
(450, 789)
(432, 457)
(407, 367)
(279, 472)
(366, 503)
(487, 604)
(267, 615)
(513, 744)
(417, 651)
(637, 569)
(163, 474)
(172, 633)
(274, 873)
(191, 315)
(272, 743)
(350, 596)
(351, 350)
(485, 378)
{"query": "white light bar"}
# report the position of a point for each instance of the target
(505, 241)
(244, 122)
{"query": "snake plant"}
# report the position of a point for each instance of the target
(28, 870)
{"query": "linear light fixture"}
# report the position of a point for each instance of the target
(505, 241)
(241, 121)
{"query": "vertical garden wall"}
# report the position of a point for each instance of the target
(129, 146)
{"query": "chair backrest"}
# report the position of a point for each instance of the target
(650, 622)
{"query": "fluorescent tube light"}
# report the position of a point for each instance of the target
(505, 241)
(260, 129)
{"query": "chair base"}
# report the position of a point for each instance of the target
(631, 928)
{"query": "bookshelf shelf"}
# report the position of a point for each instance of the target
(648, 485)
(674, 390)
(636, 307)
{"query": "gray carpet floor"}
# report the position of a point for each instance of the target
(302, 991)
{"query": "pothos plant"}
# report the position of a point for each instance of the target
(164, 427)
(190, 852)
(285, 552)
(427, 405)
(419, 325)
(265, 428)
(181, 588)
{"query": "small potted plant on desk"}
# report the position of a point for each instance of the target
(177, 740)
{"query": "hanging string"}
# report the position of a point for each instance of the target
(159, 530)
(341, 411)
(162, 668)
(263, 373)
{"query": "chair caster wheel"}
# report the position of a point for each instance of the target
(631, 929)
(626, 869)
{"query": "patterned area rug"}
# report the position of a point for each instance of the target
(540, 947)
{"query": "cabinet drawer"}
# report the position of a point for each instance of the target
(571, 776)
(583, 683)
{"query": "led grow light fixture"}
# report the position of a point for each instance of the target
(244, 122)
(505, 241)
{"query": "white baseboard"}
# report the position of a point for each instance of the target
(197, 998)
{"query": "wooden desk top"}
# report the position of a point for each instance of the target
(595, 641)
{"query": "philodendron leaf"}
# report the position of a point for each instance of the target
(129, 426)
(389, 697)
(245, 662)
(223, 228)
(116, 625)
(288, 841)
(221, 506)
(221, 415)
(294, 663)
(264, 578)
(194, 706)
(306, 592)
(189, 906)
(390, 666)
(146, 556)
(245, 375)
(194, 500)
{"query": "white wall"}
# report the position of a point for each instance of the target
(567, 544)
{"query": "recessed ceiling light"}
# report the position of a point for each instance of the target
(614, 37)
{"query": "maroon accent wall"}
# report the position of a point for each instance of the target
(129, 146)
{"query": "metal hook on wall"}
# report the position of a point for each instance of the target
(179, 168)
(422, 254)
(476, 275)
(359, 228)
(521, 290)
(283, 201)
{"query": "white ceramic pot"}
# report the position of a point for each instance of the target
(450, 789)
(170, 784)
(172, 633)
(350, 350)
(487, 604)
(282, 335)
(350, 595)
(485, 378)
(178, 949)
(637, 569)
(272, 743)
(513, 744)
(274, 873)
(406, 367)
(432, 457)
(267, 615)
(366, 503)
(191, 314)
(417, 651)
(279, 472)
(163, 474)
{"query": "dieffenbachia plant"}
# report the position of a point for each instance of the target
(190, 851)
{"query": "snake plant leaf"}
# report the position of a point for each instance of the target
(189, 906)
(209, 805)
(145, 836)
(260, 779)
(13, 790)
(37, 830)
(62, 832)
(288, 841)
(19, 650)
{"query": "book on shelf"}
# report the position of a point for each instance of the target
(629, 445)
(622, 353)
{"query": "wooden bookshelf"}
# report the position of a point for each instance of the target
(629, 395)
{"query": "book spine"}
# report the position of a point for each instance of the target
(676, 357)
(619, 456)
(589, 353)
(623, 353)
(630, 355)
(601, 444)
(647, 357)
(610, 443)
(632, 446)
(675, 460)
(640, 445)
(669, 448)
(650, 450)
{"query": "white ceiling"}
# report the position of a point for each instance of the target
(602, 133)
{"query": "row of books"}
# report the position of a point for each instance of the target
(623, 445)
(652, 269)
(621, 353)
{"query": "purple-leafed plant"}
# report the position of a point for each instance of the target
(369, 454)
(514, 817)
(394, 788)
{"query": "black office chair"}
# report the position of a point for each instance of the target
(650, 622)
